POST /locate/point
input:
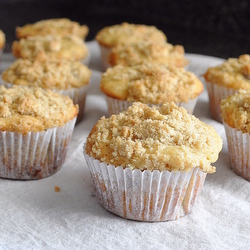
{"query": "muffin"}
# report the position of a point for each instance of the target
(149, 164)
(35, 128)
(226, 79)
(235, 112)
(56, 26)
(2, 43)
(52, 47)
(66, 77)
(138, 53)
(149, 83)
(111, 36)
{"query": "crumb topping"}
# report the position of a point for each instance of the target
(138, 53)
(24, 109)
(2, 39)
(57, 26)
(52, 74)
(235, 111)
(233, 73)
(129, 33)
(42, 47)
(150, 83)
(163, 138)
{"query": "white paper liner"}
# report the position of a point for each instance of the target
(116, 106)
(216, 93)
(87, 59)
(35, 155)
(78, 95)
(104, 55)
(239, 151)
(145, 195)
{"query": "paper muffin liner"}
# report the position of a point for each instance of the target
(145, 195)
(34, 155)
(115, 106)
(104, 55)
(216, 93)
(238, 147)
(87, 59)
(78, 95)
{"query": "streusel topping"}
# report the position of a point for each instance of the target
(162, 138)
(2, 39)
(52, 74)
(24, 109)
(66, 47)
(235, 111)
(129, 33)
(150, 83)
(138, 53)
(233, 73)
(57, 26)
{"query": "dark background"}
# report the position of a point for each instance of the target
(218, 28)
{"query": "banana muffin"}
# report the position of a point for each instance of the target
(235, 111)
(66, 77)
(111, 36)
(226, 79)
(52, 47)
(149, 83)
(56, 26)
(149, 164)
(35, 129)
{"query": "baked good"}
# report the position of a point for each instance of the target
(35, 129)
(226, 79)
(138, 53)
(149, 83)
(235, 112)
(64, 76)
(2, 39)
(143, 158)
(52, 47)
(111, 36)
(54, 26)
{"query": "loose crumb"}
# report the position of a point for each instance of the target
(57, 189)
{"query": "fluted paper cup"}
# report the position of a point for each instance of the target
(115, 106)
(216, 93)
(239, 151)
(145, 195)
(78, 95)
(34, 155)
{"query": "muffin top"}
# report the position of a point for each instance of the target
(158, 138)
(235, 111)
(128, 33)
(138, 53)
(24, 109)
(150, 83)
(52, 74)
(57, 26)
(66, 47)
(2, 39)
(233, 73)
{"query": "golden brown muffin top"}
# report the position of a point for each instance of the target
(2, 39)
(57, 26)
(138, 53)
(24, 109)
(158, 138)
(235, 111)
(66, 47)
(128, 33)
(150, 83)
(52, 74)
(233, 73)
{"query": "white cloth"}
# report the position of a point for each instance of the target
(34, 216)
